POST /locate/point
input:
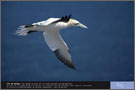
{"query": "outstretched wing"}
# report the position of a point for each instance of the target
(46, 22)
(38, 26)
(53, 20)
(63, 19)
(26, 29)
(59, 47)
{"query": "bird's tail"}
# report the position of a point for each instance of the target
(22, 31)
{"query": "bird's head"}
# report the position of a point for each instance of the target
(73, 22)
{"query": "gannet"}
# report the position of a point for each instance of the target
(50, 29)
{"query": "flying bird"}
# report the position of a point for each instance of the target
(50, 29)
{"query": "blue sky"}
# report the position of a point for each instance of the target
(103, 52)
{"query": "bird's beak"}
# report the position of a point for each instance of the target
(82, 26)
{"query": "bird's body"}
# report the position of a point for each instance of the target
(50, 29)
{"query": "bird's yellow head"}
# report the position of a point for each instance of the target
(73, 22)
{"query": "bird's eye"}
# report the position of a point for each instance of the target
(76, 23)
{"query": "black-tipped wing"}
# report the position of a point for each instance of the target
(59, 47)
(63, 19)
(63, 59)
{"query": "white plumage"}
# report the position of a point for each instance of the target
(50, 29)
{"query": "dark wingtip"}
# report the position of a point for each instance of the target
(70, 15)
(73, 67)
(67, 62)
(66, 17)
(62, 18)
(28, 25)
